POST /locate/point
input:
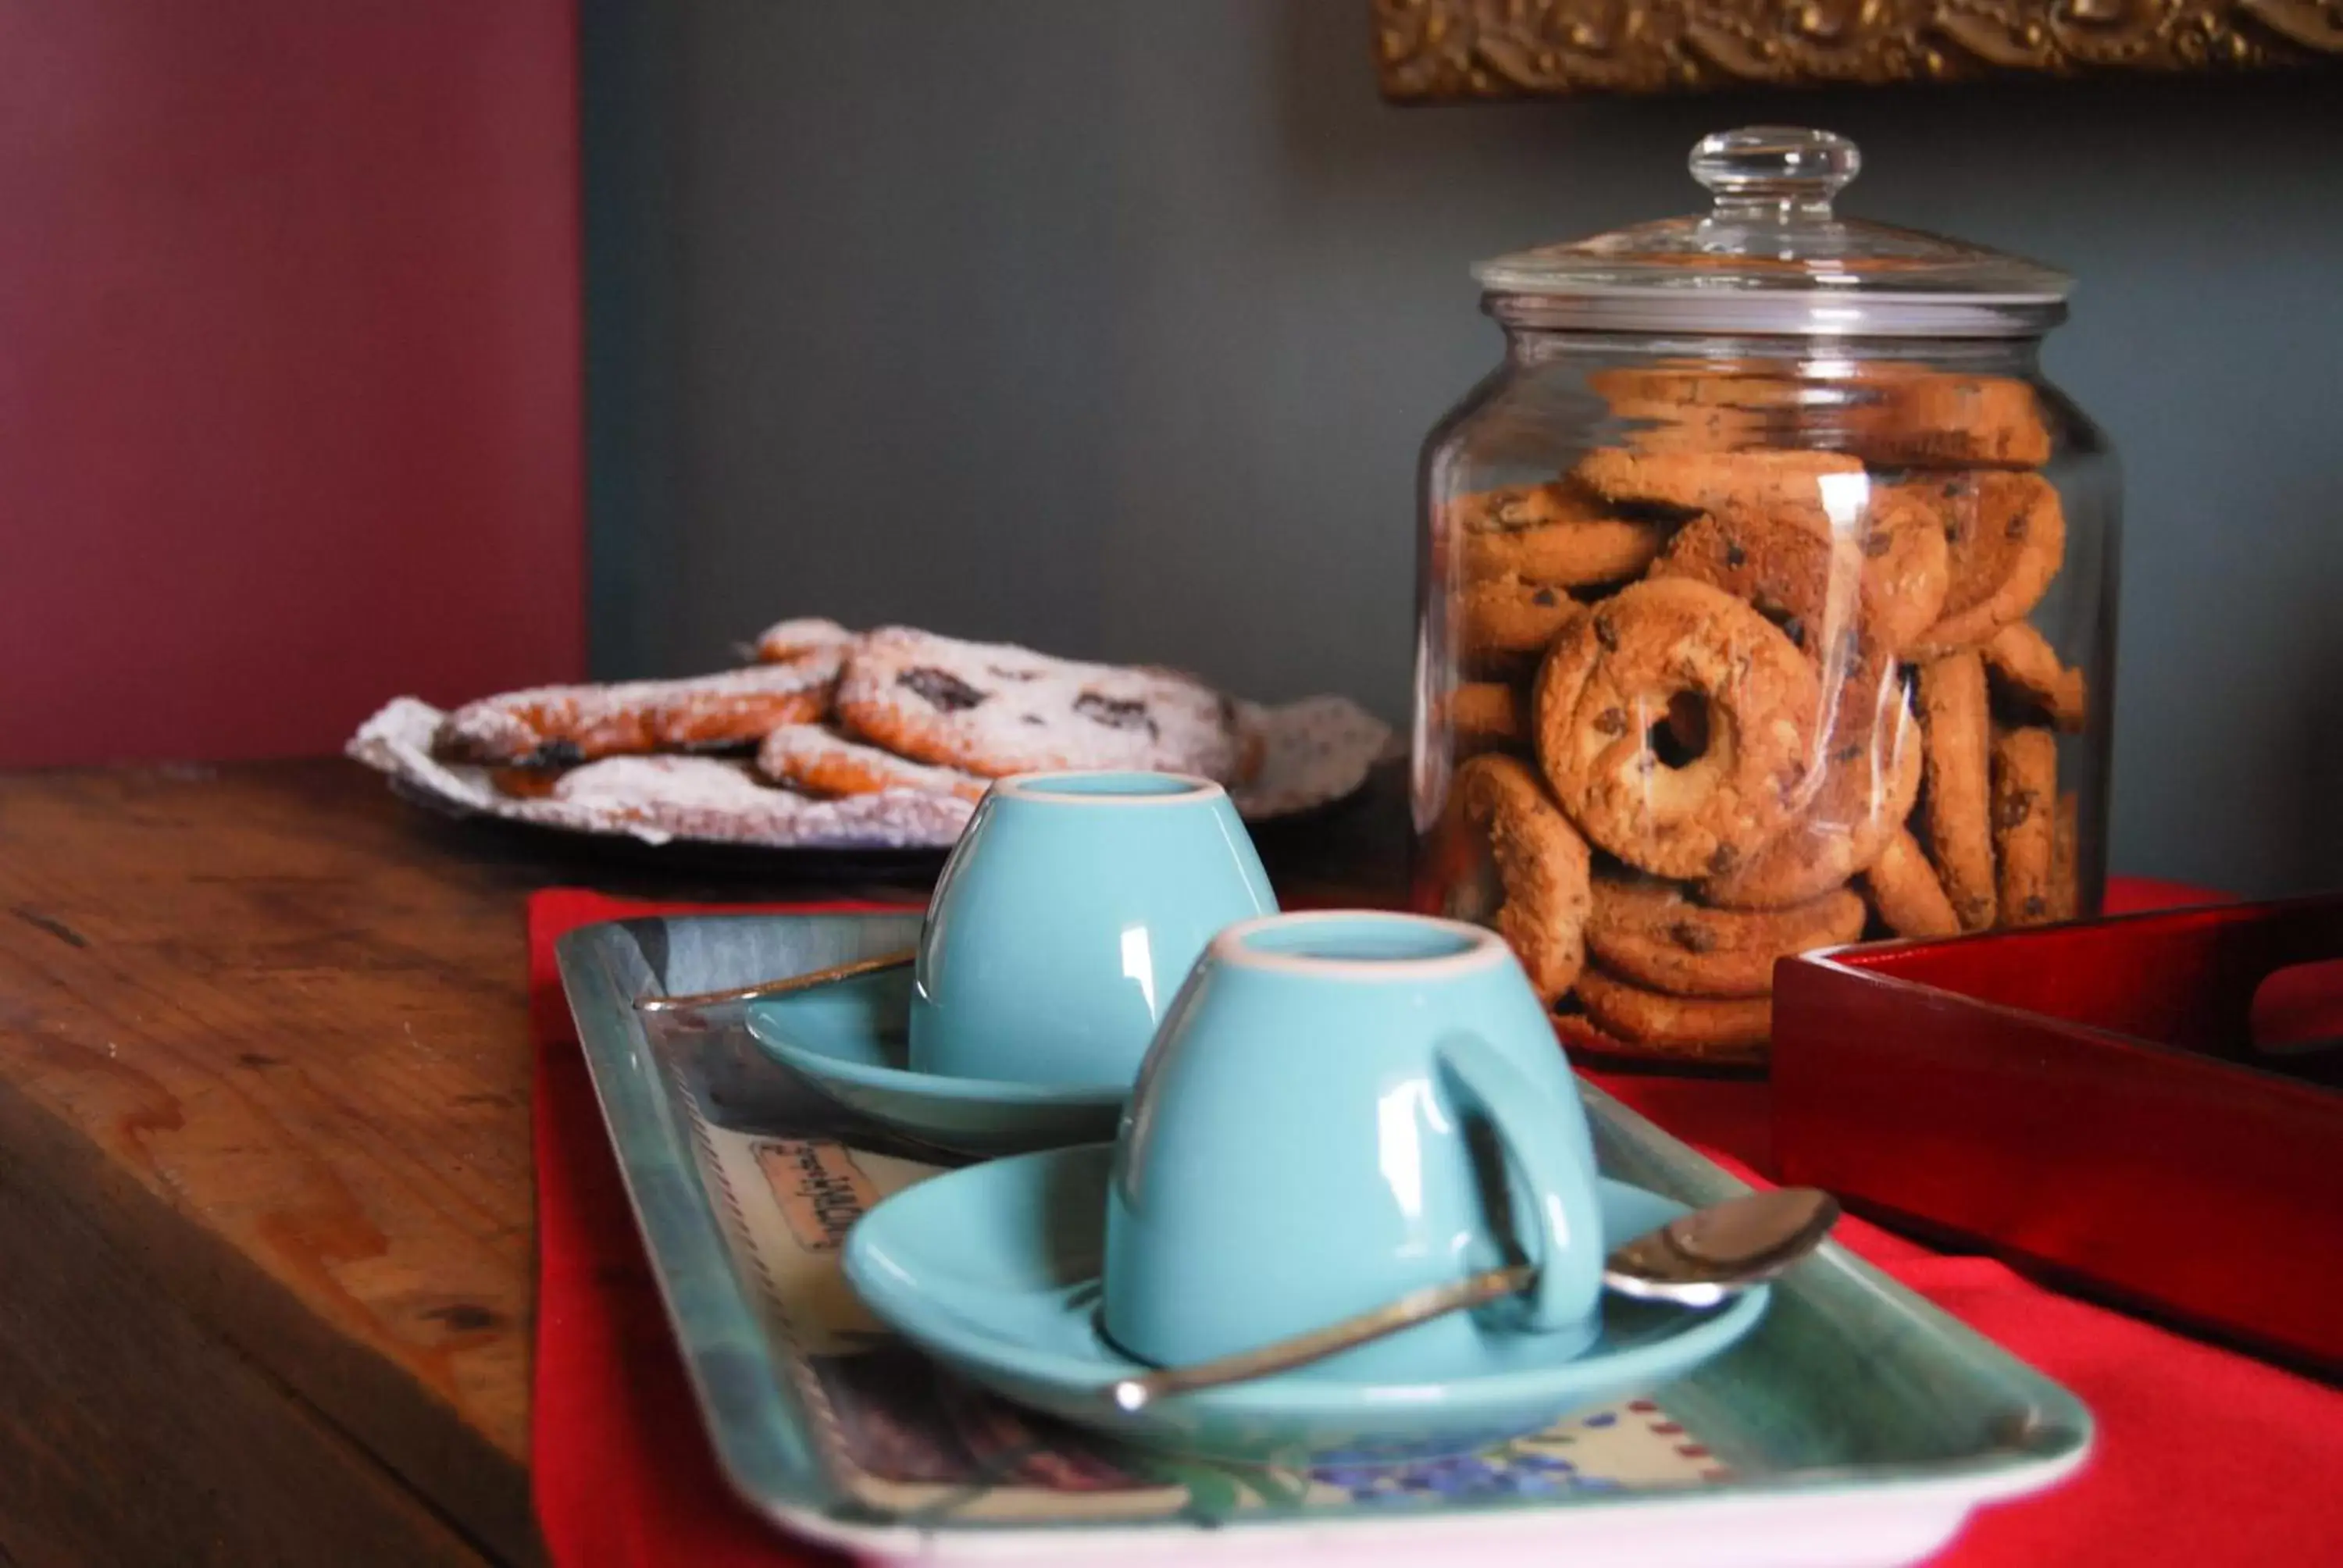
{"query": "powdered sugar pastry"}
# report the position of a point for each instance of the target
(994, 709)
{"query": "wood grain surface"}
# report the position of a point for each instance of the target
(263, 1139)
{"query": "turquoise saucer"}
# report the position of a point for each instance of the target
(993, 1270)
(849, 1041)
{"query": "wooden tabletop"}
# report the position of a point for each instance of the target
(265, 1199)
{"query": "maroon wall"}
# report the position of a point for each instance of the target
(289, 391)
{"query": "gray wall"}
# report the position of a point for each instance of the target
(1115, 329)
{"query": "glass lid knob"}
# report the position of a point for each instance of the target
(1777, 170)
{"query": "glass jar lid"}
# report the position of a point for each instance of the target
(1771, 257)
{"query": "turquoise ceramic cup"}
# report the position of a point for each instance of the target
(1341, 1107)
(1067, 915)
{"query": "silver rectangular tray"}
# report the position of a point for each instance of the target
(1859, 1425)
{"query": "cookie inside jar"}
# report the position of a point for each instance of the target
(1768, 578)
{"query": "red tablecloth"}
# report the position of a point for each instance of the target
(2204, 1456)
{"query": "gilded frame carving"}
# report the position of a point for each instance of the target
(1435, 51)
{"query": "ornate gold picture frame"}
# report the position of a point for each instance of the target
(1448, 51)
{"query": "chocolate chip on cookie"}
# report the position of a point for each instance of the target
(1809, 486)
(1575, 554)
(993, 710)
(1906, 571)
(1804, 581)
(1115, 712)
(2025, 825)
(2006, 537)
(1529, 877)
(1868, 781)
(1913, 416)
(1956, 727)
(1650, 933)
(941, 688)
(1506, 618)
(1675, 725)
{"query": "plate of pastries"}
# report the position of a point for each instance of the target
(831, 739)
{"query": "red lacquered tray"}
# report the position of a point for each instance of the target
(2091, 1098)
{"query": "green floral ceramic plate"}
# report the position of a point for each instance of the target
(1857, 1424)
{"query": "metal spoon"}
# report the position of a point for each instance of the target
(1705, 1256)
(1695, 1260)
(765, 988)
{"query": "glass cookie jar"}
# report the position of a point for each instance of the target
(1767, 603)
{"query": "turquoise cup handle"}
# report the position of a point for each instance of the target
(1568, 1225)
